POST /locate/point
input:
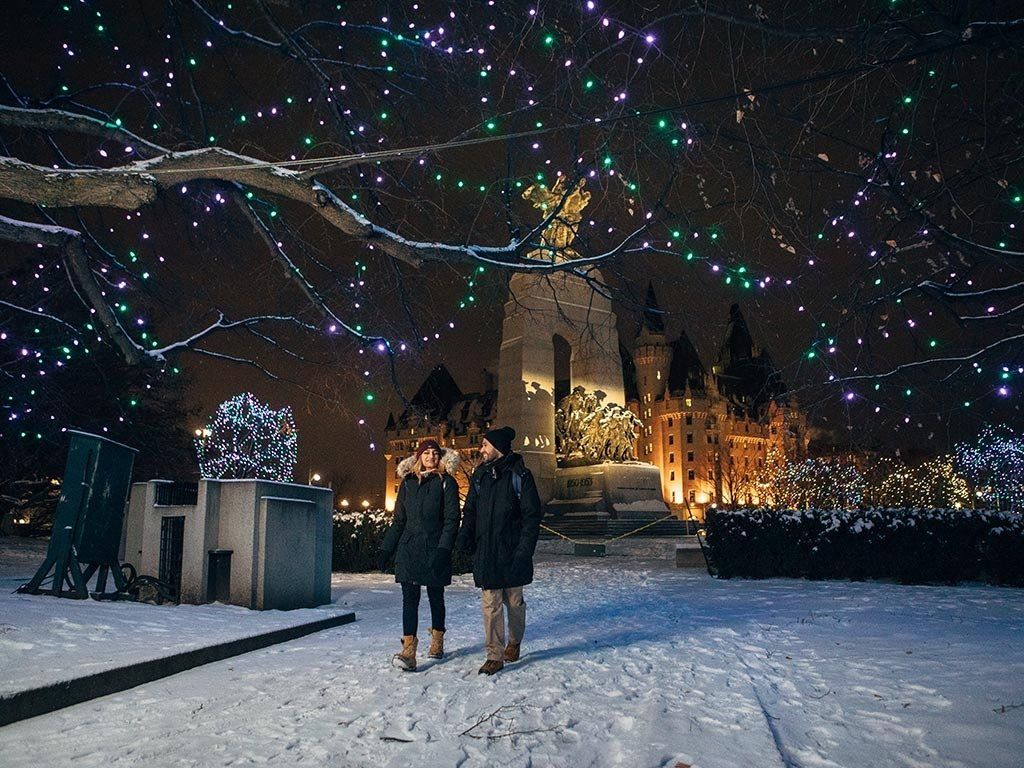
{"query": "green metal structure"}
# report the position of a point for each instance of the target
(90, 516)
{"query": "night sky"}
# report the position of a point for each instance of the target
(849, 173)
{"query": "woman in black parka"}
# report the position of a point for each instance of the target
(420, 539)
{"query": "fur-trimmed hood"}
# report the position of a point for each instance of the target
(450, 460)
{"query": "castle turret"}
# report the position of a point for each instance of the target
(651, 353)
(686, 372)
(652, 357)
(738, 344)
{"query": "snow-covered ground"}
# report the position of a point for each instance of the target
(44, 640)
(626, 662)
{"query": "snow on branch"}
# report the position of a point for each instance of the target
(131, 186)
(61, 120)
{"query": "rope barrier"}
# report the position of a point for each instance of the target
(630, 533)
(607, 541)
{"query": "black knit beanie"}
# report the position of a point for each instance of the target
(501, 438)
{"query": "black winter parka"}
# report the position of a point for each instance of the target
(500, 528)
(424, 530)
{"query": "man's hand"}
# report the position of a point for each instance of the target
(464, 547)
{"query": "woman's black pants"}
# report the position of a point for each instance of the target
(411, 607)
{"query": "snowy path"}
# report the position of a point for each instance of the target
(626, 663)
(44, 640)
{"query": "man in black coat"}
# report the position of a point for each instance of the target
(500, 524)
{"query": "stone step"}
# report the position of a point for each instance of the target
(581, 527)
(689, 554)
(663, 528)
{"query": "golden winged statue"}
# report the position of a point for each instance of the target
(559, 234)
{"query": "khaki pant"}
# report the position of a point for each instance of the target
(494, 603)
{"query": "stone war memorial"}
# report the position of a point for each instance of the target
(615, 436)
(579, 446)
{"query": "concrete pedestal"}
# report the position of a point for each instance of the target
(539, 308)
(265, 545)
(629, 490)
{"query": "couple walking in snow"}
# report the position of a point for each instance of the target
(500, 524)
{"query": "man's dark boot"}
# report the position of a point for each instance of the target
(491, 666)
(512, 652)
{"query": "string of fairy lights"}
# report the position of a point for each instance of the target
(509, 97)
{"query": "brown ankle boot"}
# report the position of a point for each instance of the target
(491, 666)
(512, 652)
(436, 644)
(406, 660)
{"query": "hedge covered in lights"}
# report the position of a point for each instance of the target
(912, 546)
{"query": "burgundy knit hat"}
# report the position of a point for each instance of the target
(426, 445)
